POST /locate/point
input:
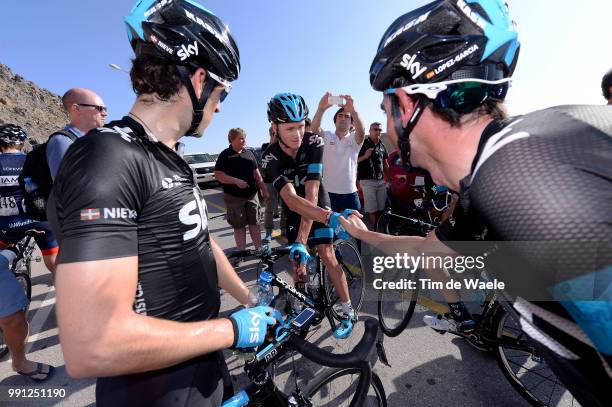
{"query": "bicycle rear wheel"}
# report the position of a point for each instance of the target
(350, 261)
(336, 387)
(524, 368)
(396, 307)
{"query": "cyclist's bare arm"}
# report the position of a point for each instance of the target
(228, 279)
(101, 335)
(302, 206)
(312, 196)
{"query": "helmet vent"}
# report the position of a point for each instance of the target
(440, 51)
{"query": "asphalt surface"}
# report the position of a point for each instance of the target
(427, 369)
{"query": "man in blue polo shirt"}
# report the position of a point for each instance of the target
(87, 111)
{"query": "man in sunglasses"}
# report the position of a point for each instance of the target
(537, 188)
(87, 111)
(138, 276)
(372, 167)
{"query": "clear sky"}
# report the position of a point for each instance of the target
(306, 47)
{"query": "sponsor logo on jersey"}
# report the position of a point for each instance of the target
(188, 50)
(452, 62)
(406, 27)
(267, 159)
(175, 181)
(316, 140)
(9, 180)
(471, 14)
(124, 132)
(193, 214)
(119, 213)
(20, 223)
(412, 66)
(107, 213)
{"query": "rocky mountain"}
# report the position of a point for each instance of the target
(36, 109)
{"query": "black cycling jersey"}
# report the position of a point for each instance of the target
(281, 169)
(543, 181)
(118, 193)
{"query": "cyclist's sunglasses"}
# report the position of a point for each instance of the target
(227, 87)
(461, 95)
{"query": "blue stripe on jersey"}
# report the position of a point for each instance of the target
(324, 232)
(315, 168)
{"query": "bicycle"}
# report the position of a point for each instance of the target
(498, 332)
(21, 267)
(320, 294)
(324, 390)
(418, 218)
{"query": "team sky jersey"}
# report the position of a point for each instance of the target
(281, 169)
(118, 194)
(546, 179)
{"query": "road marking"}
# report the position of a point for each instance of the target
(214, 205)
(40, 317)
(432, 305)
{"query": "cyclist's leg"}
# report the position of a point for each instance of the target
(322, 238)
(13, 322)
(47, 244)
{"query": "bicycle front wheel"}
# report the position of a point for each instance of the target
(23, 278)
(396, 307)
(336, 388)
(524, 368)
(350, 261)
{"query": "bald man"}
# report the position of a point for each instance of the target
(87, 111)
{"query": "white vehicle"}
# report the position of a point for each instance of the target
(203, 166)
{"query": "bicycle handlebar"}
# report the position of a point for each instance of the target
(260, 253)
(354, 358)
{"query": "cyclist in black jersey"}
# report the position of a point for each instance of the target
(540, 184)
(294, 165)
(139, 275)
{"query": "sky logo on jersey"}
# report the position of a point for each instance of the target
(188, 50)
(90, 214)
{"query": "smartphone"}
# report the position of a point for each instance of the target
(336, 100)
(305, 316)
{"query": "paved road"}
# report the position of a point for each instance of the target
(427, 369)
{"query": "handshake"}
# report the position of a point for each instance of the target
(334, 223)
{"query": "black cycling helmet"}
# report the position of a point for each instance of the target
(187, 34)
(447, 39)
(606, 83)
(287, 108)
(468, 49)
(12, 134)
